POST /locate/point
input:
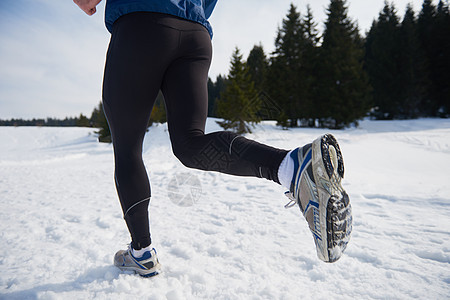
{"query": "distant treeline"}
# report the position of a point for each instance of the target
(81, 121)
(96, 120)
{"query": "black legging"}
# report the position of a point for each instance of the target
(149, 52)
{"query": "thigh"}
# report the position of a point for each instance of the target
(137, 57)
(185, 85)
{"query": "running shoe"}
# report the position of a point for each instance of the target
(316, 188)
(146, 266)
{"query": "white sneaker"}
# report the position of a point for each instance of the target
(146, 266)
(316, 188)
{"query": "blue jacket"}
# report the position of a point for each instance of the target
(195, 10)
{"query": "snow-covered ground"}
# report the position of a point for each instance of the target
(231, 237)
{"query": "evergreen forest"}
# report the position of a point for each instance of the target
(398, 70)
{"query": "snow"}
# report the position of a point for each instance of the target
(232, 238)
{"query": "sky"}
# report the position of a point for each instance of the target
(52, 55)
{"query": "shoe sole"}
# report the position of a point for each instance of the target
(334, 204)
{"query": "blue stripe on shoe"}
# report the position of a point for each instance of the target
(311, 203)
(137, 262)
(297, 173)
(149, 275)
(294, 156)
(145, 256)
(139, 265)
(306, 160)
(316, 236)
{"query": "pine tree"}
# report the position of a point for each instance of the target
(284, 79)
(257, 67)
(434, 34)
(413, 74)
(427, 34)
(214, 91)
(158, 114)
(211, 97)
(96, 116)
(98, 120)
(308, 90)
(238, 103)
(442, 63)
(82, 121)
(343, 84)
(310, 28)
(383, 63)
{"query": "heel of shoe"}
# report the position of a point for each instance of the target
(331, 155)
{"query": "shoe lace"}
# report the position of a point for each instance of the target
(292, 199)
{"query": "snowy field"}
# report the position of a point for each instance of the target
(230, 237)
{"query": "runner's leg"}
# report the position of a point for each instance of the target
(133, 74)
(185, 91)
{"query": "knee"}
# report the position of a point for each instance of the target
(186, 154)
(204, 152)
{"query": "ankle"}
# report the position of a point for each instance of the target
(140, 252)
(286, 171)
